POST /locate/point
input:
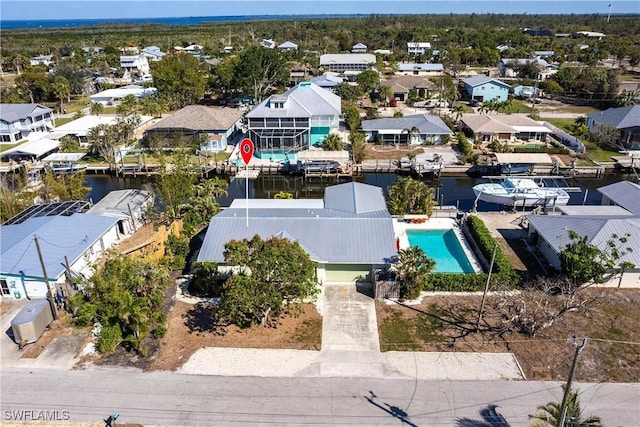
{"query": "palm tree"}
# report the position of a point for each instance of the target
(96, 108)
(412, 268)
(549, 414)
(458, 109)
(385, 92)
(413, 134)
(68, 144)
(332, 142)
(127, 105)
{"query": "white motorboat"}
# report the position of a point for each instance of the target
(518, 192)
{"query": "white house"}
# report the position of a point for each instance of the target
(113, 96)
(347, 62)
(421, 69)
(41, 60)
(127, 206)
(287, 46)
(418, 48)
(77, 238)
(359, 48)
(20, 121)
(153, 53)
(411, 130)
(81, 127)
(137, 64)
(268, 43)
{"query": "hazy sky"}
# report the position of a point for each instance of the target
(95, 9)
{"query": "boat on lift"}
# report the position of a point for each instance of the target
(519, 191)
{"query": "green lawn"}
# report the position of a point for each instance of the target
(520, 106)
(564, 124)
(5, 147)
(63, 120)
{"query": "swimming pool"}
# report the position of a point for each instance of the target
(443, 247)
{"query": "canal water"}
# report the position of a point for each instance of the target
(449, 191)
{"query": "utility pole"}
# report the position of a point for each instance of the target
(567, 390)
(486, 288)
(52, 300)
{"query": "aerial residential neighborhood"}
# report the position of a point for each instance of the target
(327, 206)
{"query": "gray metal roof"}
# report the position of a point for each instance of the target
(303, 100)
(421, 67)
(593, 210)
(278, 203)
(326, 80)
(12, 112)
(347, 58)
(623, 193)
(598, 230)
(355, 197)
(428, 124)
(353, 227)
(482, 79)
(58, 236)
(620, 118)
(524, 61)
(117, 203)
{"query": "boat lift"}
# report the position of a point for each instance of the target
(537, 179)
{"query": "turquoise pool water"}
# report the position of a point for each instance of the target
(443, 247)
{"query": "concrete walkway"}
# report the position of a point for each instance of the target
(350, 341)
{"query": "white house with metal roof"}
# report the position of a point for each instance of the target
(348, 234)
(359, 48)
(625, 119)
(287, 46)
(550, 234)
(414, 130)
(78, 239)
(113, 96)
(425, 69)
(625, 194)
(127, 206)
(20, 121)
(347, 62)
(418, 48)
(284, 124)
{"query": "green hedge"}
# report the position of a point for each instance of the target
(454, 282)
(465, 146)
(502, 268)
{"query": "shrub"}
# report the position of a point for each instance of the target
(465, 147)
(503, 271)
(453, 282)
(110, 337)
(160, 331)
(177, 251)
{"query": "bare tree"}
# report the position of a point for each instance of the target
(542, 303)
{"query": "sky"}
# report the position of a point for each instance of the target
(100, 9)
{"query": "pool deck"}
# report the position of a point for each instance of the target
(400, 227)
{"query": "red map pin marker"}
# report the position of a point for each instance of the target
(246, 150)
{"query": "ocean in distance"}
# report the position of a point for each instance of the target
(186, 20)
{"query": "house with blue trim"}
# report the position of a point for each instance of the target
(484, 88)
(285, 124)
(78, 239)
(413, 130)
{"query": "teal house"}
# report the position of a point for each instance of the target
(285, 124)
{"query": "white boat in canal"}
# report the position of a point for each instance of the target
(521, 192)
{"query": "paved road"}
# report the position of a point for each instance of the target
(172, 399)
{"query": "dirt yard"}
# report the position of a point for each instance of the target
(191, 328)
(612, 353)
